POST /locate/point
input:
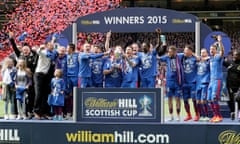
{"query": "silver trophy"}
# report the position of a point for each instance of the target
(145, 102)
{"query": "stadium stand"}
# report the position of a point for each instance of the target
(39, 18)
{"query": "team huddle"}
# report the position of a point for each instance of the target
(188, 76)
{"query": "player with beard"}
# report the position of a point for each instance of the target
(174, 77)
(216, 75)
(148, 63)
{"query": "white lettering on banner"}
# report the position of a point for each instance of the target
(129, 113)
(102, 112)
(125, 136)
(127, 103)
(135, 19)
(126, 107)
(152, 138)
(157, 19)
(110, 113)
(124, 20)
(9, 135)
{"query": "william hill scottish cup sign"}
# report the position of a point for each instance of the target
(120, 105)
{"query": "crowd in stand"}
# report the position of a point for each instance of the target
(40, 18)
(7, 6)
(124, 39)
(235, 39)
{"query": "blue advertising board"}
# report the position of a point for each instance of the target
(137, 19)
(73, 133)
(118, 105)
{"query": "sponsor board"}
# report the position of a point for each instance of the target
(138, 20)
(118, 105)
(135, 19)
(73, 133)
(11, 133)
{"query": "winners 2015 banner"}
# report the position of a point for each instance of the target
(127, 20)
(137, 19)
(118, 105)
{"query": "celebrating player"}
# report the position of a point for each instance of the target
(203, 78)
(173, 79)
(215, 85)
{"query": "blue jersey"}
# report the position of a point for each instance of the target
(61, 63)
(97, 69)
(84, 68)
(171, 74)
(56, 97)
(113, 79)
(72, 64)
(216, 63)
(52, 55)
(57, 85)
(130, 74)
(203, 72)
(190, 69)
(148, 64)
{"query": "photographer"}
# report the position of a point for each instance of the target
(233, 84)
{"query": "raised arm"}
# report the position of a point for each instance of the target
(108, 36)
(220, 45)
(12, 41)
(159, 42)
(160, 48)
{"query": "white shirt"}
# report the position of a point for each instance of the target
(6, 76)
(44, 62)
